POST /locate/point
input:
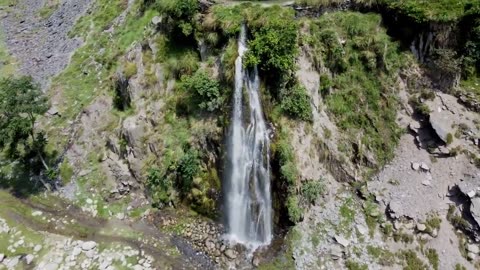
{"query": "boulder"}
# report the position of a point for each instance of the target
(336, 252)
(12, 263)
(442, 124)
(475, 209)
(86, 246)
(471, 256)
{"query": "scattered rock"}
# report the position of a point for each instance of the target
(473, 248)
(414, 126)
(415, 166)
(424, 167)
(51, 266)
(37, 248)
(76, 251)
(29, 258)
(12, 263)
(471, 256)
(230, 253)
(37, 213)
(336, 252)
(342, 241)
(472, 193)
(256, 261)
(88, 245)
(361, 229)
(421, 227)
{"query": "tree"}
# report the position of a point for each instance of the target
(21, 101)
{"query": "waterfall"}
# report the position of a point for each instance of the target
(248, 204)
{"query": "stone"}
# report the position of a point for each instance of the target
(471, 256)
(89, 245)
(414, 126)
(424, 167)
(256, 261)
(89, 201)
(12, 263)
(427, 183)
(336, 252)
(421, 227)
(105, 265)
(29, 258)
(434, 233)
(342, 241)
(362, 229)
(137, 267)
(90, 254)
(442, 124)
(2, 257)
(120, 216)
(471, 194)
(230, 253)
(157, 20)
(76, 251)
(51, 266)
(473, 248)
(415, 166)
(36, 213)
(475, 209)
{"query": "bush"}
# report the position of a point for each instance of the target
(295, 212)
(188, 168)
(432, 257)
(160, 187)
(274, 44)
(180, 15)
(312, 189)
(130, 69)
(296, 103)
(204, 91)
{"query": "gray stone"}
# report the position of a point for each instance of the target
(336, 252)
(2, 256)
(427, 183)
(424, 167)
(37, 248)
(472, 193)
(421, 227)
(473, 248)
(342, 241)
(89, 245)
(29, 258)
(12, 262)
(414, 126)
(230, 253)
(256, 261)
(475, 209)
(471, 256)
(441, 124)
(361, 229)
(76, 251)
(415, 166)
(157, 20)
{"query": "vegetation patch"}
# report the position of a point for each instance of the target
(365, 63)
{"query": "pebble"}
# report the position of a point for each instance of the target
(29, 258)
(88, 245)
(421, 227)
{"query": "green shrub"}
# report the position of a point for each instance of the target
(188, 168)
(204, 91)
(352, 265)
(449, 138)
(412, 262)
(312, 189)
(432, 257)
(66, 172)
(296, 103)
(130, 69)
(180, 15)
(295, 212)
(274, 44)
(160, 187)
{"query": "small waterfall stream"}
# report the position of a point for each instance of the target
(248, 204)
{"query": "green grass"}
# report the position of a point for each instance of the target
(7, 62)
(91, 66)
(363, 101)
(432, 257)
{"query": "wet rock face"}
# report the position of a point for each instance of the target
(42, 47)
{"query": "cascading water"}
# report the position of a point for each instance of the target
(248, 203)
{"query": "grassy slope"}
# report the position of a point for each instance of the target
(365, 63)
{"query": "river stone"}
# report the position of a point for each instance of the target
(89, 245)
(230, 253)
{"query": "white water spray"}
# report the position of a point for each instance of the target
(248, 204)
